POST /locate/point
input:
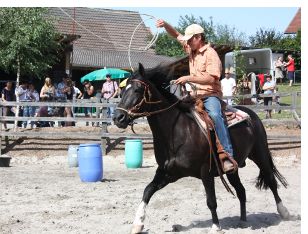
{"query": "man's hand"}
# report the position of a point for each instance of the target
(160, 23)
(182, 80)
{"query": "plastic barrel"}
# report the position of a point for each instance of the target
(90, 162)
(72, 156)
(133, 153)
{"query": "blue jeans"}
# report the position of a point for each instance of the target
(110, 112)
(28, 111)
(213, 108)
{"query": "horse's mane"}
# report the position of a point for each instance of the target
(161, 75)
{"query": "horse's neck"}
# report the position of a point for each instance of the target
(162, 122)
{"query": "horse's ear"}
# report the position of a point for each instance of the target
(141, 70)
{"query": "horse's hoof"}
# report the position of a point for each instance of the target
(283, 211)
(137, 229)
(216, 229)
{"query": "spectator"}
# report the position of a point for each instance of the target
(47, 94)
(61, 95)
(77, 92)
(69, 92)
(22, 92)
(48, 91)
(88, 93)
(35, 97)
(279, 68)
(8, 95)
(228, 86)
(290, 68)
(268, 87)
(109, 91)
(77, 95)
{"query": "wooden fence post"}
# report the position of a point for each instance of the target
(104, 130)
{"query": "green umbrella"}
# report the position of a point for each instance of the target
(101, 74)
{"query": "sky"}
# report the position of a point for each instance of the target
(244, 19)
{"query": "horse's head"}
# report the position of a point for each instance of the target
(134, 100)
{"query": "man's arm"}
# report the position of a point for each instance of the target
(171, 30)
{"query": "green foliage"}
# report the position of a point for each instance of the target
(269, 38)
(28, 36)
(165, 45)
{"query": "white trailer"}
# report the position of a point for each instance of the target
(256, 61)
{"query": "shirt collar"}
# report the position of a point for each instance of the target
(204, 48)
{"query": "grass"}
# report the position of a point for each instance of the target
(286, 101)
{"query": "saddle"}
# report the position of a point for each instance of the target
(232, 116)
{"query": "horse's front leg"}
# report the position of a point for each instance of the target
(209, 185)
(160, 180)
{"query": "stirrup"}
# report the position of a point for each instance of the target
(229, 165)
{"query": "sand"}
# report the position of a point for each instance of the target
(44, 195)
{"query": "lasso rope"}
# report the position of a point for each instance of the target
(148, 46)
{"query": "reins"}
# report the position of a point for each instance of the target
(133, 111)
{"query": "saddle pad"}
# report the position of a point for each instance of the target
(233, 116)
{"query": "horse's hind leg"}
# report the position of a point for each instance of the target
(235, 181)
(160, 180)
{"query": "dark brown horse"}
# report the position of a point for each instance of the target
(182, 150)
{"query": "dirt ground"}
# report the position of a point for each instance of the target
(41, 194)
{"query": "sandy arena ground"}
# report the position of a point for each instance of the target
(41, 194)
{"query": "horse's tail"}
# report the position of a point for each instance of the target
(262, 182)
(266, 171)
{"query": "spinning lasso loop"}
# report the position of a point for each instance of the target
(148, 46)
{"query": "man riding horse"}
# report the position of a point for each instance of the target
(205, 71)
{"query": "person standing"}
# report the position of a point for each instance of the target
(290, 69)
(109, 91)
(8, 95)
(228, 86)
(278, 70)
(77, 95)
(268, 87)
(205, 71)
(35, 97)
(22, 92)
(88, 93)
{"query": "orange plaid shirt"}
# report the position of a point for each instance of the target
(205, 63)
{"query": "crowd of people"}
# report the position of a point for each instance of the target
(65, 90)
(266, 82)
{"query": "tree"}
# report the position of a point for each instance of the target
(28, 43)
(269, 38)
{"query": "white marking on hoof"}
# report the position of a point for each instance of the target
(216, 229)
(137, 229)
(139, 218)
(283, 211)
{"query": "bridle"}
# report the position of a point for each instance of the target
(133, 112)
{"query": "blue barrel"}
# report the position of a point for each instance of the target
(133, 153)
(90, 162)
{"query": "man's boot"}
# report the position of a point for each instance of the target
(228, 164)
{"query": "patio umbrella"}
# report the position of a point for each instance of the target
(101, 74)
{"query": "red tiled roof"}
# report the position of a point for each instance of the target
(295, 24)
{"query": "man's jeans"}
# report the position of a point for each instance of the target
(213, 108)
